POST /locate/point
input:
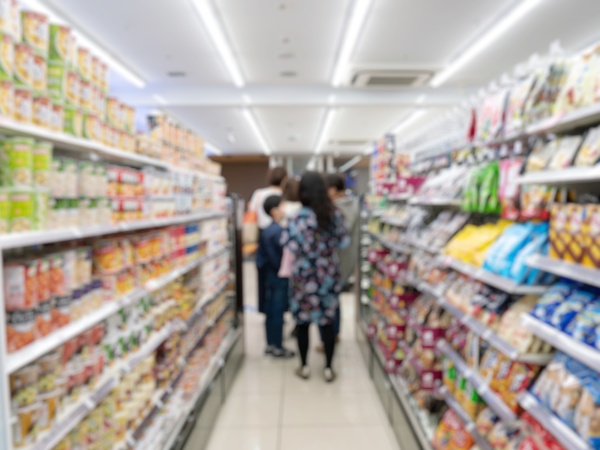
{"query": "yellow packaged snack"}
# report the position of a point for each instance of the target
(7, 99)
(7, 57)
(23, 65)
(35, 31)
(39, 74)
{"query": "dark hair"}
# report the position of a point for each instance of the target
(273, 201)
(335, 180)
(276, 176)
(291, 190)
(313, 194)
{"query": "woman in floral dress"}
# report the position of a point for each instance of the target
(313, 235)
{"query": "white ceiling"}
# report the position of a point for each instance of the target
(268, 37)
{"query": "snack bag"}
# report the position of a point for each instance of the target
(485, 422)
(509, 188)
(489, 365)
(587, 413)
(584, 327)
(520, 272)
(488, 191)
(520, 377)
(565, 154)
(573, 305)
(566, 394)
(501, 436)
(501, 253)
(535, 200)
(542, 388)
(589, 154)
(553, 297)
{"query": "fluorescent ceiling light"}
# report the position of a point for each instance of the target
(412, 118)
(420, 99)
(58, 16)
(329, 116)
(355, 25)
(211, 149)
(211, 22)
(256, 130)
(497, 30)
(160, 99)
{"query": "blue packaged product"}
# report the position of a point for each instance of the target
(587, 412)
(501, 253)
(520, 271)
(542, 388)
(553, 297)
(584, 327)
(573, 305)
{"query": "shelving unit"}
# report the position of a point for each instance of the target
(566, 269)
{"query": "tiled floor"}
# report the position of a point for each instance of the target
(269, 408)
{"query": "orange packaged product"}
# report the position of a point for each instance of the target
(42, 111)
(44, 324)
(108, 257)
(20, 328)
(519, 379)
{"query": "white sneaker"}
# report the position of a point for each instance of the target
(303, 372)
(330, 375)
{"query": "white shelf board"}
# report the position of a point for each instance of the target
(67, 142)
(583, 353)
(497, 281)
(28, 354)
(17, 240)
(486, 393)
(490, 336)
(396, 248)
(393, 221)
(566, 269)
(570, 175)
(435, 202)
(581, 117)
(561, 431)
(469, 424)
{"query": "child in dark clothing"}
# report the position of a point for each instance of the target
(268, 259)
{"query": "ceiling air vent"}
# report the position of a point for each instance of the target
(350, 142)
(390, 78)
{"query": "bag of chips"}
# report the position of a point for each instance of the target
(576, 302)
(551, 300)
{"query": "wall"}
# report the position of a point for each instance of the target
(243, 178)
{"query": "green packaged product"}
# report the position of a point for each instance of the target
(488, 191)
(4, 211)
(73, 122)
(42, 164)
(22, 210)
(42, 203)
(57, 80)
(18, 156)
(59, 44)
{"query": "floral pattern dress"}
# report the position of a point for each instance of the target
(316, 281)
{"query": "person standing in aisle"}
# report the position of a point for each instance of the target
(268, 259)
(291, 199)
(312, 237)
(276, 178)
(350, 208)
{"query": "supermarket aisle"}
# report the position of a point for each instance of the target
(270, 409)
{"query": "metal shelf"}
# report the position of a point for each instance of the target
(28, 354)
(497, 281)
(396, 248)
(468, 422)
(588, 115)
(570, 175)
(17, 240)
(491, 398)
(566, 269)
(490, 336)
(583, 353)
(565, 435)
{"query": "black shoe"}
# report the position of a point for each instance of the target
(283, 353)
(295, 332)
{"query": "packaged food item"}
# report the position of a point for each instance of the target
(18, 152)
(23, 213)
(576, 302)
(42, 109)
(84, 63)
(73, 121)
(23, 65)
(501, 435)
(587, 413)
(7, 99)
(520, 377)
(20, 328)
(91, 127)
(554, 297)
(590, 149)
(39, 74)
(60, 44)
(565, 154)
(25, 429)
(57, 86)
(57, 116)
(42, 164)
(5, 211)
(23, 108)
(7, 57)
(485, 422)
(73, 89)
(48, 409)
(24, 386)
(35, 31)
(451, 433)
